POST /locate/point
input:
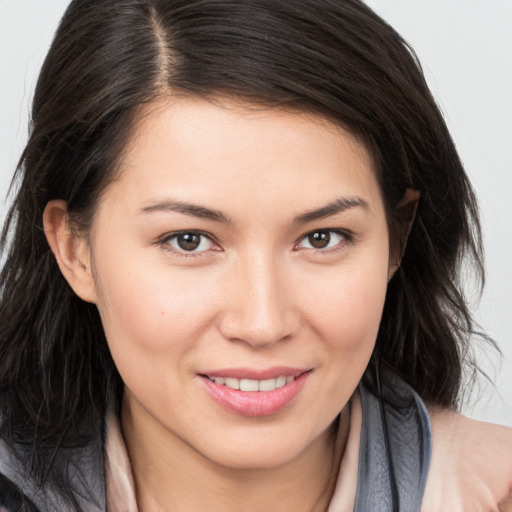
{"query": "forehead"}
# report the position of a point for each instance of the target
(231, 153)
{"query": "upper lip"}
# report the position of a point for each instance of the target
(257, 374)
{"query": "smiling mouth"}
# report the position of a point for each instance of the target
(252, 385)
(264, 396)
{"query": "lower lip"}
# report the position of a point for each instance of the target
(254, 403)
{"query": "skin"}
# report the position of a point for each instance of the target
(255, 294)
(471, 467)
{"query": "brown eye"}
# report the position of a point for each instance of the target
(321, 239)
(189, 242)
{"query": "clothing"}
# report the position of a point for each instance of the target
(384, 467)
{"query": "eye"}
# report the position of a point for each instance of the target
(322, 239)
(188, 242)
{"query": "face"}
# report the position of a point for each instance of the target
(240, 248)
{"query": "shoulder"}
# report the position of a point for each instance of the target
(471, 466)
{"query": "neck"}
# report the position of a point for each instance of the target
(168, 473)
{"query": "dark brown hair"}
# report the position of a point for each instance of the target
(334, 58)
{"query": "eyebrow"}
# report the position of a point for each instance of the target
(192, 210)
(337, 206)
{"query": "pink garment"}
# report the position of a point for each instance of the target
(121, 488)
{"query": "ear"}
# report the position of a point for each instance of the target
(71, 251)
(405, 215)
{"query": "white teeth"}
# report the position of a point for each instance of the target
(280, 381)
(252, 384)
(232, 383)
(248, 385)
(267, 385)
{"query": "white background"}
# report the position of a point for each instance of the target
(465, 47)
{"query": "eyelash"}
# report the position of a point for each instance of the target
(165, 243)
(347, 238)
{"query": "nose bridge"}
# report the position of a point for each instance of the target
(261, 308)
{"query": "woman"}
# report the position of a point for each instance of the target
(232, 268)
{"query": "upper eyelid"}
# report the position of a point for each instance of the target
(174, 234)
(346, 234)
(348, 238)
(164, 239)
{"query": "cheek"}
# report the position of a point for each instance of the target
(152, 326)
(347, 311)
(149, 310)
(348, 323)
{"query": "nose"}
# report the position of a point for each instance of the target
(260, 310)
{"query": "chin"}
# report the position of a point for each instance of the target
(262, 449)
(253, 460)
